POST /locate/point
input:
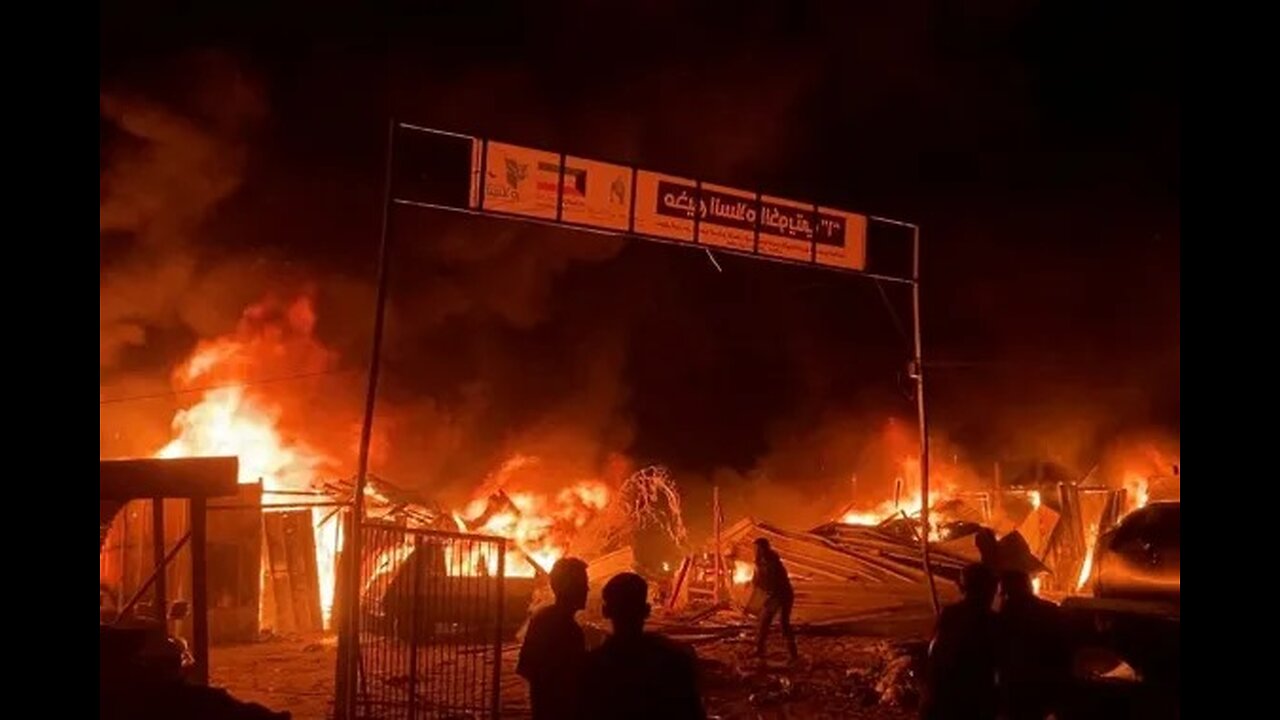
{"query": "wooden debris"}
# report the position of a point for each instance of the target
(844, 573)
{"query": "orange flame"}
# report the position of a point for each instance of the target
(1137, 492)
(231, 419)
(227, 422)
(541, 526)
(743, 572)
(1087, 567)
(909, 503)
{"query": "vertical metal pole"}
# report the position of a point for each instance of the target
(199, 589)
(157, 554)
(484, 172)
(715, 500)
(349, 650)
(416, 572)
(918, 368)
(497, 638)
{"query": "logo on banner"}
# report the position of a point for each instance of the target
(517, 172)
(575, 180)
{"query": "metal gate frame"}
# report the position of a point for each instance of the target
(348, 656)
(429, 624)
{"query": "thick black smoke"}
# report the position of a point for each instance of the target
(1044, 182)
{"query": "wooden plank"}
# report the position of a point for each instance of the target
(303, 581)
(199, 592)
(284, 621)
(267, 609)
(680, 585)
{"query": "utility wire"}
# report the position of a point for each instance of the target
(206, 388)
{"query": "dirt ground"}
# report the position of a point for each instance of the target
(835, 678)
(294, 674)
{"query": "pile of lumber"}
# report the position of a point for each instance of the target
(901, 556)
(843, 573)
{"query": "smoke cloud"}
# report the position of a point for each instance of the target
(166, 169)
(498, 343)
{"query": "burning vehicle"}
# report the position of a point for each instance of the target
(1139, 558)
(1133, 614)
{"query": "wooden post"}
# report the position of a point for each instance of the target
(157, 555)
(199, 590)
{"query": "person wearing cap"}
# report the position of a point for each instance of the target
(1034, 657)
(960, 677)
(771, 579)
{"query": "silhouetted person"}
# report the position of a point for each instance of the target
(635, 674)
(960, 681)
(1034, 662)
(988, 549)
(771, 578)
(555, 649)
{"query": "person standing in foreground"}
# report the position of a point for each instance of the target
(771, 579)
(960, 680)
(1034, 651)
(554, 649)
(635, 675)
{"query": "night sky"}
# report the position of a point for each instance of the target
(1036, 144)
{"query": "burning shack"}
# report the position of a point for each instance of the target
(185, 485)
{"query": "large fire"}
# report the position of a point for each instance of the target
(228, 422)
(1137, 495)
(907, 500)
(235, 416)
(907, 503)
(541, 527)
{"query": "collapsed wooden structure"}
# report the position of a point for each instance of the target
(841, 574)
(187, 485)
(845, 574)
(262, 570)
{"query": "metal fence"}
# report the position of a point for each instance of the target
(430, 624)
